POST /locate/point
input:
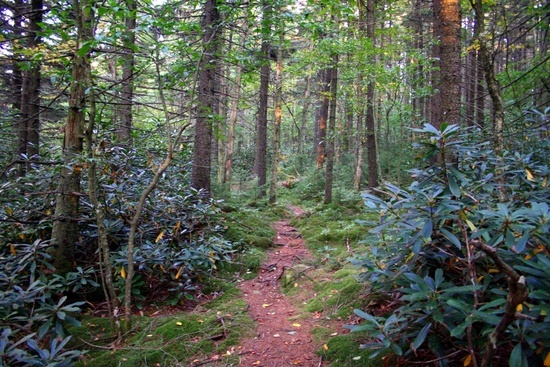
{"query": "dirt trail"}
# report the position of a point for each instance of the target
(281, 338)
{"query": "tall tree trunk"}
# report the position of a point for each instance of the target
(17, 77)
(200, 175)
(492, 83)
(359, 138)
(105, 264)
(124, 131)
(370, 121)
(450, 61)
(65, 225)
(480, 92)
(329, 173)
(470, 78)
(29, 121)
(322, 116)
(260, 162)
(435, 105)
(305, 113)
(277, 122)
(233, 112)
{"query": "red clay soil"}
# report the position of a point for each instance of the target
(281, 339)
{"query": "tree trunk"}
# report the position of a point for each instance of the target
(305, 112)
(359, 139)
(124, 131)
(492, 83)
(370, 118)
(200, 175)
(449, 14)
(105, 264)
(329, 173)
(29, 118)
(277, 123)
(233, 112)
(435, 105)
(260, 162)
(65, 225)
(322, 116)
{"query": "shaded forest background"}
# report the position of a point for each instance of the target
(125, 125)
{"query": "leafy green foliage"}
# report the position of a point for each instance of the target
(33, 311)
(440, 246)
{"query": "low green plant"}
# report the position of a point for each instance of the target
(465, 249)
(33, 310)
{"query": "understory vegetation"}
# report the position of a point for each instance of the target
(453, 268)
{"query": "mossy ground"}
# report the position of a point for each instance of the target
(324, 287)
(212, 328)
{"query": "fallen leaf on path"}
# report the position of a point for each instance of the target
(276, 335)
(265, 305)
(296, 325)
(257, 363)
(325, 347)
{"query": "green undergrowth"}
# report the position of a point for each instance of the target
(327, 287)
(345, 351)
(167, 340)
(211, 328)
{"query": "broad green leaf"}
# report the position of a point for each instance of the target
(451, 237)
(421, 336)
(453, 186)
(517, 358)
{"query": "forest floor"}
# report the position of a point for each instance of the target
(283, 336)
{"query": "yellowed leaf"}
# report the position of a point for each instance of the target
(547, 360)
(179, 272)
(22, 236)
(159, 237)
(177, 228)
(296, 325)
(325, 347)
(470, 224)
(468, 360)
(545, 182)
(8, 210)
(295, 285)
(266, 305)
(123, 272)
(257, 363)
(529, 174)
(12, 249)
(519, 308)
(179, 323)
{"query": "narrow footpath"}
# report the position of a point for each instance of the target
(282, 339)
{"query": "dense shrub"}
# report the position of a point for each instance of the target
(465, 250)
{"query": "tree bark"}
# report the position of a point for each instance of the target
(492, 83)
(277, 122)
(450, 61)
(29, 117)
(260, 162)
(65, 225)
(370, 118)
(233, 112)
(322, 116)
(128, 63)
(329, 173)
(200, 175)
